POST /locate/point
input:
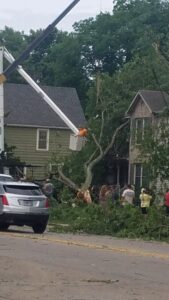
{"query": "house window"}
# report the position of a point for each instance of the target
(138, 171)
(141, 124)
(140, 177)
(139, 131)
(42, 139)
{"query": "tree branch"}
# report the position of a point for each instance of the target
(89, 169)
(63, 178)
(96, 142)
(114, 136)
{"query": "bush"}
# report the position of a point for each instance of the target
(112, 220)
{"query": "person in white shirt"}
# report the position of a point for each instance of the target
(128, 195)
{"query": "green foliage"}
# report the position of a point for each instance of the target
(10, 158)
(113, 220)
(36, 63)
(155, 149)
(15, 42)
(65, 195)
(64, 65)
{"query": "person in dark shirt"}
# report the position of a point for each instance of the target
(48, 188)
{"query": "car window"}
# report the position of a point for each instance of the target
(3, 178)
(1, 190)
(22, 190)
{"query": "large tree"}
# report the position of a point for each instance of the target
(114, 56)
(105, 113)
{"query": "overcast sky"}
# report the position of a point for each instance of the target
(35, 14)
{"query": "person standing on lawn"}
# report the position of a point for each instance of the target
(145, 199)
(128, 195)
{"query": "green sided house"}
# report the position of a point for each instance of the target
(35, 129)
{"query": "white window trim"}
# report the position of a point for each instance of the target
(37, 139)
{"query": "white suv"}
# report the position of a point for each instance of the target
(23, 203)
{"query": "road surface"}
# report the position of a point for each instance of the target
(81, 267)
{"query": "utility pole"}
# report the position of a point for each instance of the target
(1, 104)
(33, 45)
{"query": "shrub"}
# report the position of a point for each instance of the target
(112, 220)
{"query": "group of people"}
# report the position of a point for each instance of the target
(145, 197)
(126, 196)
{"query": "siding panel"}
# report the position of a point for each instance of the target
(24, 139)
(141, 110)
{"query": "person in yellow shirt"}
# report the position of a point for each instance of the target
(145, 199)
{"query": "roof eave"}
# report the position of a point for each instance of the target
(36, 126)
(133, 102)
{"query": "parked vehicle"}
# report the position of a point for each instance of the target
(5, 177)
(23, 203)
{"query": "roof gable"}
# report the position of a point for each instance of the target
(156, 101)
(24, 107)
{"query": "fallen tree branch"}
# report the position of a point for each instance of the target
(64, 179)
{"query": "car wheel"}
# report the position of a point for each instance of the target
(4, 226)
(39, 227)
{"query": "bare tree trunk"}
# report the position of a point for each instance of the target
(97, 155)
(89, 173)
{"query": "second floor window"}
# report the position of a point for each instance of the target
(139, 126)
(42, 139)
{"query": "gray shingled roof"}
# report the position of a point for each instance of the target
(155, 100)
(24, 106)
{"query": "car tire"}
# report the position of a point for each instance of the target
(39, 227)
(4, 226)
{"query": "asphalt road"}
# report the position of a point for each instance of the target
(81, 267)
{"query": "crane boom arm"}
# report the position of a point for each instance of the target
(35, 43)
(42, 94)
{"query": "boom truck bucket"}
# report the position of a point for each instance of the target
(77, 139)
